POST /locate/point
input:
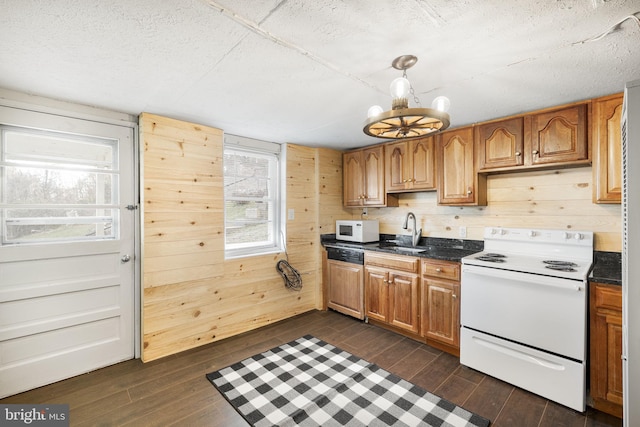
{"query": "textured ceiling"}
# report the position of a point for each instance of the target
(304, 71)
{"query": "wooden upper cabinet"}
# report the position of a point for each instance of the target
(397, 161)
(548, 138)
(557, 136)
(458, 182)
(607, 146)
(363, 178)
(410, 165)
(423, 156)
(500, 144)
(353, 178)
(374, 176)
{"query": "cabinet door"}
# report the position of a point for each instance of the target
(423, 164)
(606, 347)
(457, 178)
(353, 178)
(374, 176)
(376, 284)
(500, 144)
(558, 136)
(397, 165)
(345, 288)
(441, 311)
(403, 301)
(607, 146)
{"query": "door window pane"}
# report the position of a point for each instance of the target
(57, 187)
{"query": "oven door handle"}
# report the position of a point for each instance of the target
(537, 279)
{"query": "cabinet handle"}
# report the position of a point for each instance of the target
(518, 154)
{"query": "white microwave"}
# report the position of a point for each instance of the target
(361, 231)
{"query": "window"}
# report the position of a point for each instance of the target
(57, 187)
(252, 196)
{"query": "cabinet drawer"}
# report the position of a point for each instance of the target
(608, 297)
(441, 269)
(394, 262)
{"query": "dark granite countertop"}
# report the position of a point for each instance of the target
(427, 247)
(607, 268)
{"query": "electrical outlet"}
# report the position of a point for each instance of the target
(462, 231)
(364, 211)
(291, 214)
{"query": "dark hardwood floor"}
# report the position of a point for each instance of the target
(173, 391)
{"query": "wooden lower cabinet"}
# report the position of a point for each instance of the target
(391, 290)
(345, 290)
(605, 363)
(440, 304)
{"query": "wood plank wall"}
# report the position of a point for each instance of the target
(191, 294)
(331, 207)
(554, 199)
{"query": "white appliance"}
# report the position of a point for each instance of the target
(360, 231)
(523, 310)
(630, 254)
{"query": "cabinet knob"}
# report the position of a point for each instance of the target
(518, 154)
(469, 192)
(535, 151)
(438, 270)
(454, 296)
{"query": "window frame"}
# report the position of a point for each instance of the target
(237, 144)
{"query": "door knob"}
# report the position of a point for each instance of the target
(125, 258)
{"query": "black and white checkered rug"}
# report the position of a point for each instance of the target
(309, 382)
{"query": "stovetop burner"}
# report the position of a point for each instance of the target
(557, 267)
(491, 258)
(559, 263)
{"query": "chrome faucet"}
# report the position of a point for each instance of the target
(415, 234)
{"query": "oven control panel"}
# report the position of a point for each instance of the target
(560, 237)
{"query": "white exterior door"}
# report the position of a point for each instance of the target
(66, 247)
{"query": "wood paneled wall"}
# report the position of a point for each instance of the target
(331, 207)
(554, 199)
(191, 294)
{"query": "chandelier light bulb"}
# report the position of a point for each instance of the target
(441, 103)
(400, 88)
(374, 110)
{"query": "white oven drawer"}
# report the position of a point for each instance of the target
(553, 377)
(543, 312)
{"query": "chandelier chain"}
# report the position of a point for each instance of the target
(411, 91)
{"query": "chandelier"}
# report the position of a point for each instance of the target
(402, 121)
